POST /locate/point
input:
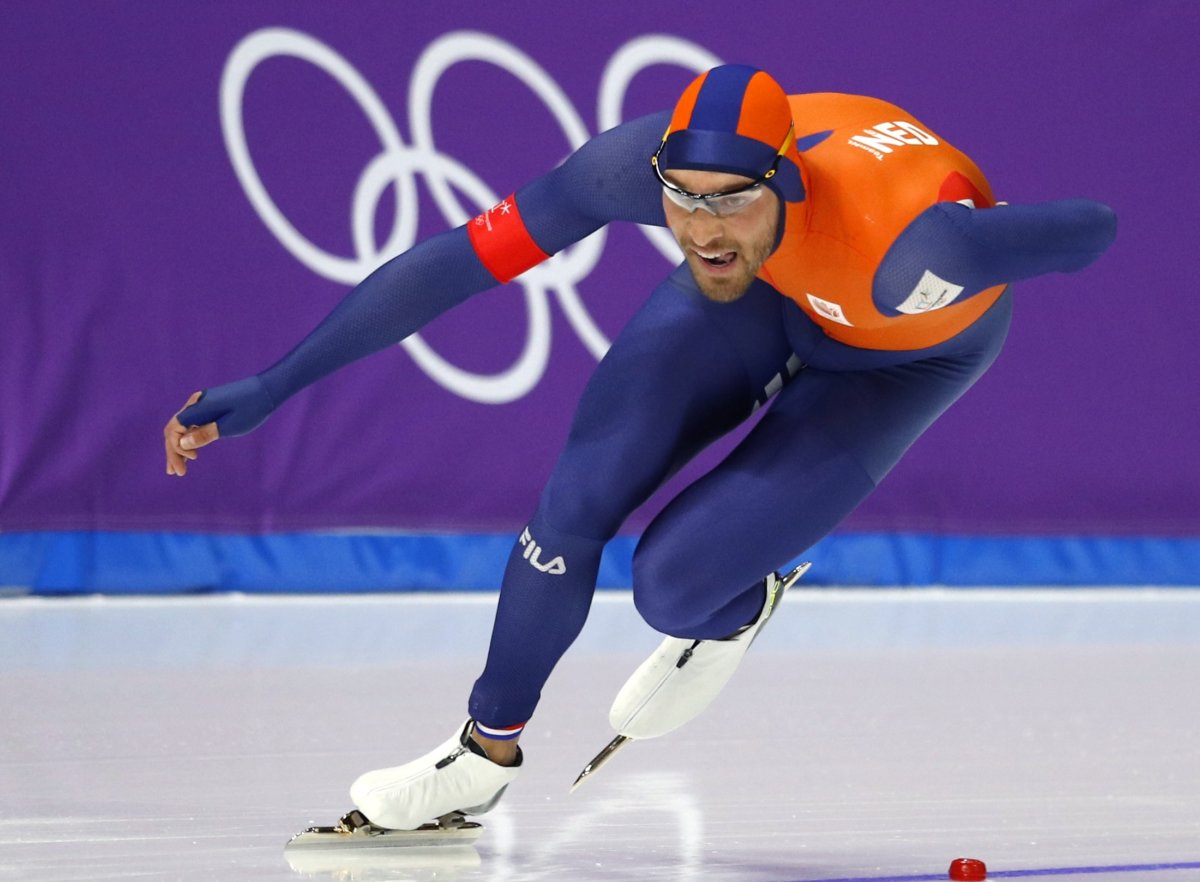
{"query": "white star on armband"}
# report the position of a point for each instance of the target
(505, 207)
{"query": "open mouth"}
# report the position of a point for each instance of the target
(716, 259)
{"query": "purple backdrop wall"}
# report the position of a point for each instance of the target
(135, 266)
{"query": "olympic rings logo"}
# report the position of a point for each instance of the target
(397, 164)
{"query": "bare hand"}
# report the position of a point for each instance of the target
(182, 441)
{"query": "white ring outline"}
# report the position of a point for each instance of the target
(397, 163)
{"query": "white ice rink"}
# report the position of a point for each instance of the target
(870, 735)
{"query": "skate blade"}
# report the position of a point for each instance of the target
(794, 576)
(600, 759)
(448, 830)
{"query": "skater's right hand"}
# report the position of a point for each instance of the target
(223, 411)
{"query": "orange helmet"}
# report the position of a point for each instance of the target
(735, 119)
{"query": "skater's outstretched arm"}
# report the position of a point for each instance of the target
(975, 249)
(607, 179)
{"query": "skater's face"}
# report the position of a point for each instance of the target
(724, 251)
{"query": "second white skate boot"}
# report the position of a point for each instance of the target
(455, 777)
(683, 676)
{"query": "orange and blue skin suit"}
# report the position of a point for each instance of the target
(886, 297)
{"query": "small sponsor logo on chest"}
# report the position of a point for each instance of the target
(883, 138)
(828, 309)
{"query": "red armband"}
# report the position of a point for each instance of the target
(502, 243)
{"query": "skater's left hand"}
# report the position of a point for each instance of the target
(182, 442)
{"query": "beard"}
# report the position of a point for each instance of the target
(734, 280)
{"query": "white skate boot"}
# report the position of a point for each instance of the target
(682, 678)
(455, 778)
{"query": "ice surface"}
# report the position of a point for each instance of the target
(869, 735)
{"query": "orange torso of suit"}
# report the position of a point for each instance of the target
(865, 182)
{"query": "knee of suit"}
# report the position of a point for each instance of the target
(677, 594)
(582, 508)
(665, 607)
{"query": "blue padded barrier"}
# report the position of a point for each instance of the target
(173, 563)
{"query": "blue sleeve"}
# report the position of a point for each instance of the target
(608, 178)
(977, 249)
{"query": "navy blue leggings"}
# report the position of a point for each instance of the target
(682, 373)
